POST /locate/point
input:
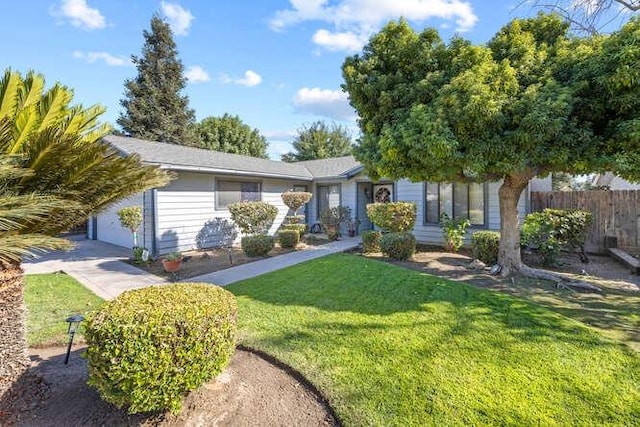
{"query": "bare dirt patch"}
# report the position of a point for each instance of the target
(615, 311)
(252, 391)
(196, 263)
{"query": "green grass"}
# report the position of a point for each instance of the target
(389, 346)
(50, 299)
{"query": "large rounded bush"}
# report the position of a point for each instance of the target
(398, 246)
(254, 246)
(394, 217)
(149, 347)
(485, 245)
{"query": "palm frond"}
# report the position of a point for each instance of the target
(9, 86)
(15, 247)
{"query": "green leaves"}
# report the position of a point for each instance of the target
(319, 141)
(229, 134)
(148, 348)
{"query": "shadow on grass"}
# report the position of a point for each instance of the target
(347, 283)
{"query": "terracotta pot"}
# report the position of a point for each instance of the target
(171, 266)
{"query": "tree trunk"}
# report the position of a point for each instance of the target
(14, 359)
(509, 253)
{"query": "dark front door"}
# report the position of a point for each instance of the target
(365, 196)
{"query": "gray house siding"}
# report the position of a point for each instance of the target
(189, 202)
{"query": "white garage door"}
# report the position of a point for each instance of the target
(109, 228)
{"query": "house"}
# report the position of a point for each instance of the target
(177, 216)
(613, 182)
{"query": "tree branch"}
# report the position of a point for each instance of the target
(561, 280)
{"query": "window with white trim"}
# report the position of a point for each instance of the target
(457, 200)
(328, 197)
(228, 192)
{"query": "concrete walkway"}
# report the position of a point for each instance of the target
(98, 266)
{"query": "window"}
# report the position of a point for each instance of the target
(328, 197)
(456, 200)
(236, 191)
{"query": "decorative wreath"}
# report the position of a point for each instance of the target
(383, 195)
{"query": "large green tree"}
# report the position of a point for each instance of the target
(154, 107)
(319, 141)
(230, 135)
(54, 172)
(532, 101)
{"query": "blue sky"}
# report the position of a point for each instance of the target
(274, 63)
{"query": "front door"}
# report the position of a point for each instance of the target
(365, 196)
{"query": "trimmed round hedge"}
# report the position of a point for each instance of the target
(149, 347)
(398, 246)
(288, 238)
(371, 241)
(485, 245)
(259, 245)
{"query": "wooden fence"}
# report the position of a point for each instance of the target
(615, 213)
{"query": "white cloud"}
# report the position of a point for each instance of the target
(250, 79)
(197, 74)
(354, 21)
(324, 102)
(80, 14)
(276, 148)
(179, 19)
(347, 41)
(111, 60)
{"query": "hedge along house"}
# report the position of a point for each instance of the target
(186, 213)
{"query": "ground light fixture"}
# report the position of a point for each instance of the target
(74, 323)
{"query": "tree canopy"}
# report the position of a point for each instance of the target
(230, 135)
(319, 141)
(532, 101)
(154, 108)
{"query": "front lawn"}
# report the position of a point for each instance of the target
(390, 346)
(50, 299)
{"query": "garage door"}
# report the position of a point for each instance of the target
(108, 225)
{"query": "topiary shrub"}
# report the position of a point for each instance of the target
(294, 200)
(259, 245)
(371, 241)
(149, 347)
(253, 217)
(298, 228)
(485, 245)
(289, 238)
(398, 246)
(394, 217)
(549, 230)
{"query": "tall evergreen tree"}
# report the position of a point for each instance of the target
(229, 134)
(319, 141)
(154, 109)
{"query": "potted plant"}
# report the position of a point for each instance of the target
(352, 226)
(172, 262)
(331, 218)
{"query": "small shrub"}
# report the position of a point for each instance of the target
(298, 228)
(548, 231)
(289, 238)
(253, 217)
(371, 241)
(398, 246)
(453, 231)
(149, 347)
(485, 246)
(294, 200)
(294, 219)
(259, 245)
(394, 217)
(131, 218)
(333, 217)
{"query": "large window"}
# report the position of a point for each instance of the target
(236, 191)
(328, 197)
(456, 200)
